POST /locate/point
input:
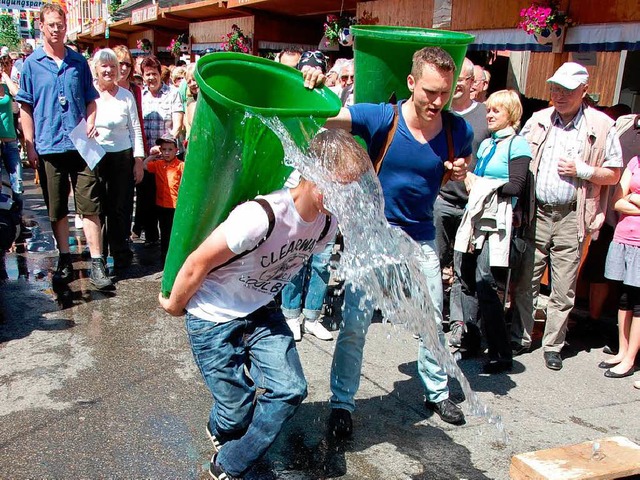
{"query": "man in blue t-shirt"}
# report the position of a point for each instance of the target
(56, 93)
(410, 175)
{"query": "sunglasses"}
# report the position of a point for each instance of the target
(317, 54)
(346, 77)
(125, 64)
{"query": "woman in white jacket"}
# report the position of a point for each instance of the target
(498, 181)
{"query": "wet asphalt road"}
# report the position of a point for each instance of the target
(103, 385)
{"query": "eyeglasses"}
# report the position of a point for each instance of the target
(560, 91)
(347, 77)
(59, 26)
(125, 64)
(464, 79)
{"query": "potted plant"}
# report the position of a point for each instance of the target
(236, 41)
(546, 23)
(337, 29)
(144, 44)
(176, 46)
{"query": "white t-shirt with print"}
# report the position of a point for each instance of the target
(243, 286)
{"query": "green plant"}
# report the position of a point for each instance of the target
(114, 5)
(175, 47)
(144, 44)
(236, 41)
(9, 32)
(334, 25)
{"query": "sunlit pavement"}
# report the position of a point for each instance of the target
(103, 385)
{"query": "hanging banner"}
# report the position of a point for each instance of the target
(21, 4)
(144, 14)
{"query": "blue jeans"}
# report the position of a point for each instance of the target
(244, 423)
(309, 283)
(347, 357)
(13, 165)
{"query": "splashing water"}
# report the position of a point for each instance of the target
(381, 260)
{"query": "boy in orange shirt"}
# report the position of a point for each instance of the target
(168, 172)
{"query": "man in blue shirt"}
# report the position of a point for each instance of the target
(410, 175)
(56, 93)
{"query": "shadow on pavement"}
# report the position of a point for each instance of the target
(23, 310)
(391, 422)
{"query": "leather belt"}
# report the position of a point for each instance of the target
(565, 207)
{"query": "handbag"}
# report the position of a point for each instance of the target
(517, 247)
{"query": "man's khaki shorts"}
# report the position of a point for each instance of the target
(58, 172)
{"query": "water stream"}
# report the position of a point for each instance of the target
(382, 261)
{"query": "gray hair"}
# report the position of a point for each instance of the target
(106, 55)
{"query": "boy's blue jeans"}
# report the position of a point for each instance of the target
(244, 423)
(309, 283)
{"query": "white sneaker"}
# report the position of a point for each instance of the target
(294, 326)
(317, 329)
(77, 222)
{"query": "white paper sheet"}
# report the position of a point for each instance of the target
(88, 148)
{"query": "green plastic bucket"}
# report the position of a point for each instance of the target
(383, 57)
(232, 157)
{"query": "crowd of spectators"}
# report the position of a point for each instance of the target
(521, 200)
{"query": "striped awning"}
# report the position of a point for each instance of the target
(603, 37)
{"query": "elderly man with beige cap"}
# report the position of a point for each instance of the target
(576, 152)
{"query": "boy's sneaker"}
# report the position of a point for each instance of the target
(217, 473)
(64, 272)
(294, 326)
(340, 424)
(98, 276)
(216, 443)
(317, 329)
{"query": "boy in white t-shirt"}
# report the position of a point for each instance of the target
(227, 286)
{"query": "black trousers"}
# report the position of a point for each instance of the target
(165, 218)
(478, 279)
(146, 214)
(115, 172)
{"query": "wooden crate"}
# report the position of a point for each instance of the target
(617, 457)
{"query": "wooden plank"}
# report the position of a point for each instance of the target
(295, 7)
(488, 14)
(603, 76)
(616, 457)
(275, 28)
(408, 13)
(601, 80)
(597, 11)
(214, 30)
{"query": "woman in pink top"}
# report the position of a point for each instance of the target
(623, 265)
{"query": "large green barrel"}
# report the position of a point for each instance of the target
(383, 57)
(232, 156)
